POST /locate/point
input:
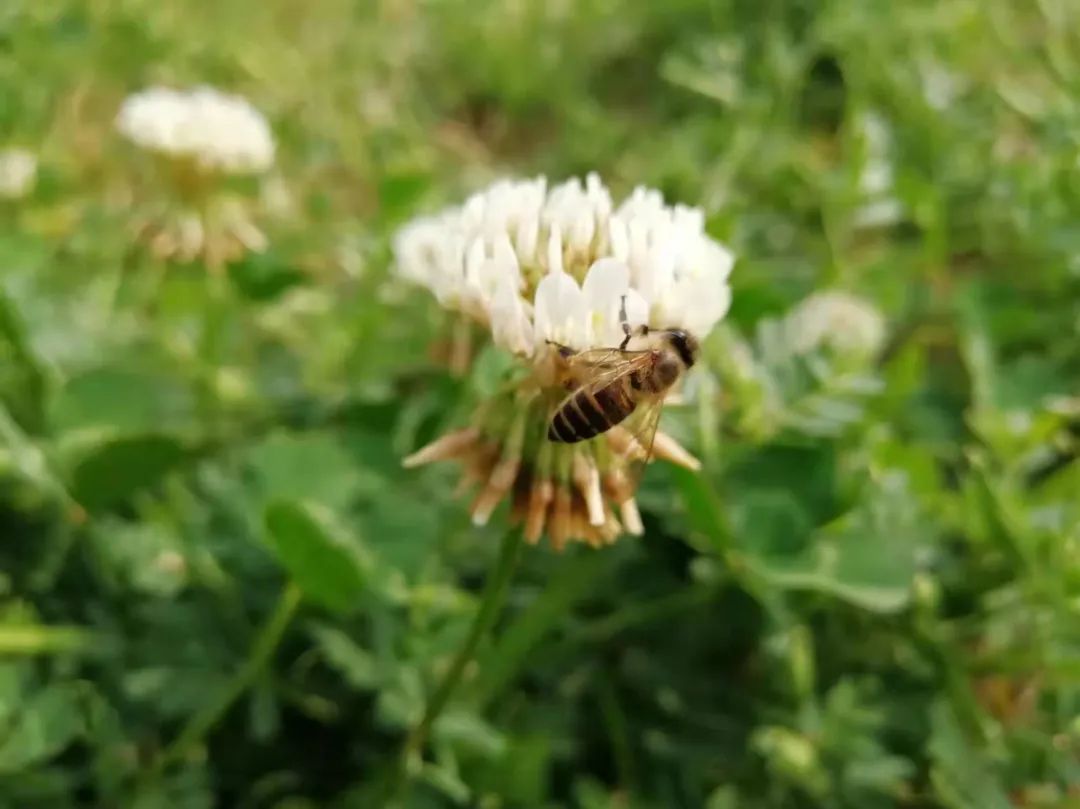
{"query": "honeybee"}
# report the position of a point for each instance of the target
(614, 383)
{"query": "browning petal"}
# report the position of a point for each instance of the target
(616, 486)
(631, 517)
(625, 445)
(587, 479)
(446, 447)
(667, 448)
(539, 500)
(502, 478)
(559, 527)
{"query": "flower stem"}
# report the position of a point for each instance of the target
(261, 651)
(494, 594)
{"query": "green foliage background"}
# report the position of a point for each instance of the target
(217, 586)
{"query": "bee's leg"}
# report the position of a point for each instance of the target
(624, 321)
(564, 351)
(562, 366)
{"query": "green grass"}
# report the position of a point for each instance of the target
(219, 588)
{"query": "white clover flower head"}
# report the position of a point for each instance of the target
(218, 132)
(536, 264)
(836, 321)
(18, 172)
(539, 265)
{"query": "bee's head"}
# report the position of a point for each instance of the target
(684, 344)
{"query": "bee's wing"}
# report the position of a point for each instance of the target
(599, 366)
(596, 369)
(632, 444)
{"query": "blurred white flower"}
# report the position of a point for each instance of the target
(880, 207)
(206, 135)
(537, 264)
(217, 131)
(835, 320)
(18, 172)
(940, 86)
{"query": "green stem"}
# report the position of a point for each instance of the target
(212, 348)
(618, 731)
(606, 628)
(503, 661)
(261, 651)
(35, 639)
(498, 584)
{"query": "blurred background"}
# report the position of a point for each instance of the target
(869, 597)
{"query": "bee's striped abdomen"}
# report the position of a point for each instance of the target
(589, 413)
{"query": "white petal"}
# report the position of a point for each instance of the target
(507, 260)
(607, 277)
(559, 311)
(448, 281)
(475, 267)
(655, 274)
(696, 304)
(639, 250)
(554, 251)
(472, 213)
(637, 309)
(606, 283)
(581, 233)
(715, 259)
(620, 239)
(526, 238)
(689, 219)
(598, 195)
(510, 324)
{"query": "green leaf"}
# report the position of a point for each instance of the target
(114, 470)
(304, 467)
(50, 721)
(445, 777)
(866, 557)
(961, 775)
(490, 370)
(469, 732)
(121, 399)
(520, 773)
(400, 191)
(401, 698)
(357, 665)
(263, 276)
(327, 563)
(148, 556)
(22, 378)
(403, 531)
(12, 689)
(724, 797)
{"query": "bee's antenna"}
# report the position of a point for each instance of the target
(624, 321)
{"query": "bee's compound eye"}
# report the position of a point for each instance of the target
(685, 344)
